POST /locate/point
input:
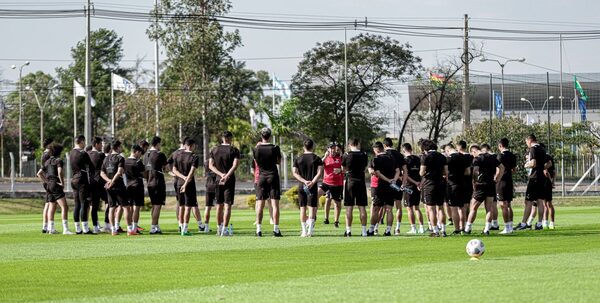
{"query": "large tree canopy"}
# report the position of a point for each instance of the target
(375, 64)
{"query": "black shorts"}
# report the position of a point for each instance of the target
(209, 198)
(117, 196)
(413, 199)
(334, 192)
(382, 195)
(454, 194)
(188, 198)
(225, 193)
(157, 194)
(135, 194)
(535, 190)
(504, 191)
(98, 192)
(468, 188)
(398, 195)
(54, 192)
(355, 193)
(304, 200)
(483, 191)
(433, 193)
(268, 187)
(548, 190)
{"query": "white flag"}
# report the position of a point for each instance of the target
(281, 88)
(122, 84)
(80, 92)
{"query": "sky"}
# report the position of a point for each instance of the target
(47, 43)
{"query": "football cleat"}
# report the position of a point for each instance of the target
(277, 234)
(67, 232)
(485, 233)
(495, 228)
(186, 234)
(156, 232)
(370, 233)
(396, 232)
(347, 234)
(326, 221)
(387, 233)
(336, 224)
(259, 233)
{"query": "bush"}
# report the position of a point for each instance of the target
(322, 201)
(291, 196)
(251, 201)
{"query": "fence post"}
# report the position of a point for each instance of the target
(285, 169)
(12, 172)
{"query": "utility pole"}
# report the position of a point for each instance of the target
(88, 85)
(156, 80)
(345, 88)
(562, 122)
(466, 103)
(203, 81)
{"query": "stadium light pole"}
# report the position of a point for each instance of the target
(21, 116)
(502, 65)
(530, 104)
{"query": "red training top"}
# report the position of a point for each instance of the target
(333, 171)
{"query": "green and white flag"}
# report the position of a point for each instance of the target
(579, 88)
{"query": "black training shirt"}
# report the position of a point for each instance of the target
(267, 157)
(355, 163)
(308, 166)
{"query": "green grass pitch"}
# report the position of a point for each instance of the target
(531, 266)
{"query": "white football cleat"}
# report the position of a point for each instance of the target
(67, 232)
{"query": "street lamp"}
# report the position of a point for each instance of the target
(547, 110)
(525, 100)
(20, 116)
(483, 59)
(42, 107)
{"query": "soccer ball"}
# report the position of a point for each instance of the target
(475, 248)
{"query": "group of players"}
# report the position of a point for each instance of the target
(452, 184)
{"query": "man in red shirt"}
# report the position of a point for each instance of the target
(333, 181)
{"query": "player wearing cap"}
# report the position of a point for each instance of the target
(268, 189)
(333, 181)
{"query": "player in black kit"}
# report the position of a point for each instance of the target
(308, 168)
(434, 170)
(267, 157)
(505, 188)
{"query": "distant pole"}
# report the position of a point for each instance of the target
(562, 122)
(74, 112)
(20, 159)
(346, 86)
(88, 85)
(491, 108)
(156, 79)
(548, 107)
(273, 102)
(112, 107)
(466, 103)
(501, 85)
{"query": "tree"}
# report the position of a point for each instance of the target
(34, 84)
(375, 64)
(440, 101)
(197, 52)
(106, 52)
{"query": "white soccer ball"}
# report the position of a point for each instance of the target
(475, 248)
